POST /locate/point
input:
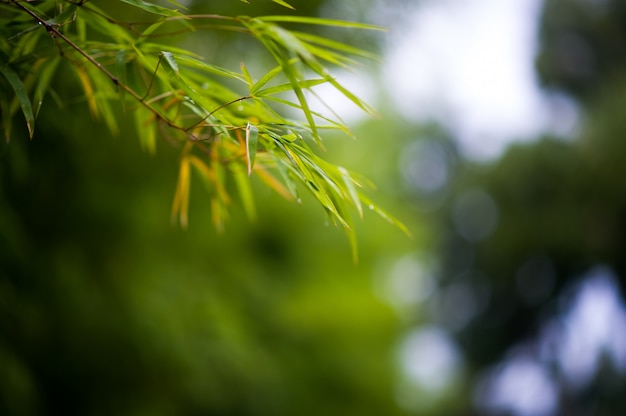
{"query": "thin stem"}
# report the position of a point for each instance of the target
(247, 97)
(56, 33)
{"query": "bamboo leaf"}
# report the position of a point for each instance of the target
(247, 77)
(252, 141)
(99, 20)
(199, 64)
(7, 120)
(348, 227)
(146, 129)
(209, 178)
(169, 58)
(152, 8)
(284, 3)
(281, 165)
(245, 191)
(89, 92)
(384, 214)
(180, 205)
(354, 195)
(321, 21)
(309, 83)
(273, 183)
(339, 46)
(219, 211)
(120, 69)
(177, 4)
(265, 79)
(22, 96)
(43, 80)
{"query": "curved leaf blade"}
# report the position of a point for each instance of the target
(22, 96)
(252, 141)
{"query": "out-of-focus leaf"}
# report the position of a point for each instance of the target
(252, 141)
(89, 93)
(287, 179)
(309, 83)
(320, 21)
(177, 4)
(242, 181)
(284, 3)
(384, 214)
(247, 77)
(146, 129)
(169, 58)
(99, 21)
(219, 211)
(180, 205)
(120, 69)
(199, 64)
(352, 191)
(102, 99)
(67, 15)
(321, 71)
(26, 44)
(265, 79)
(22, 96)
(333, 44)
(273, 183)
(210, 179)
(7, 120)
(152, 8)
(348, 228)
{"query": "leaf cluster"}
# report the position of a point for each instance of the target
(225, 136)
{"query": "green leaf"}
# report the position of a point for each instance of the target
(252, 141)
(146, 129)
(247, 77)
(385, 215)
(339, 46)
(180, 204)
(120, 69)
(22, 97)
(7, 120)
(284, 3)
(169, 58)
(288, 87)
(100, 21)
(152, 8)
(198, 64)
(177, 4)
(245, 190)
(265, 79)
(321, 21)
(354, 195)
(68, 14)
(43, 80)
(283, 167)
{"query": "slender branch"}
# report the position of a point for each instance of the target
(247, 97)
(56, 33)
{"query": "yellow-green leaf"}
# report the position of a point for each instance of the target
(152, 8)
(22, 97)
(252, 141)
(245, 191)
(180, 205)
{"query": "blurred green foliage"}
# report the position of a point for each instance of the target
(106, 307)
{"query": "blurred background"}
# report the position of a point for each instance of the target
(500, 147)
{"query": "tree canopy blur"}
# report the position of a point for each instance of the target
(532, 269)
